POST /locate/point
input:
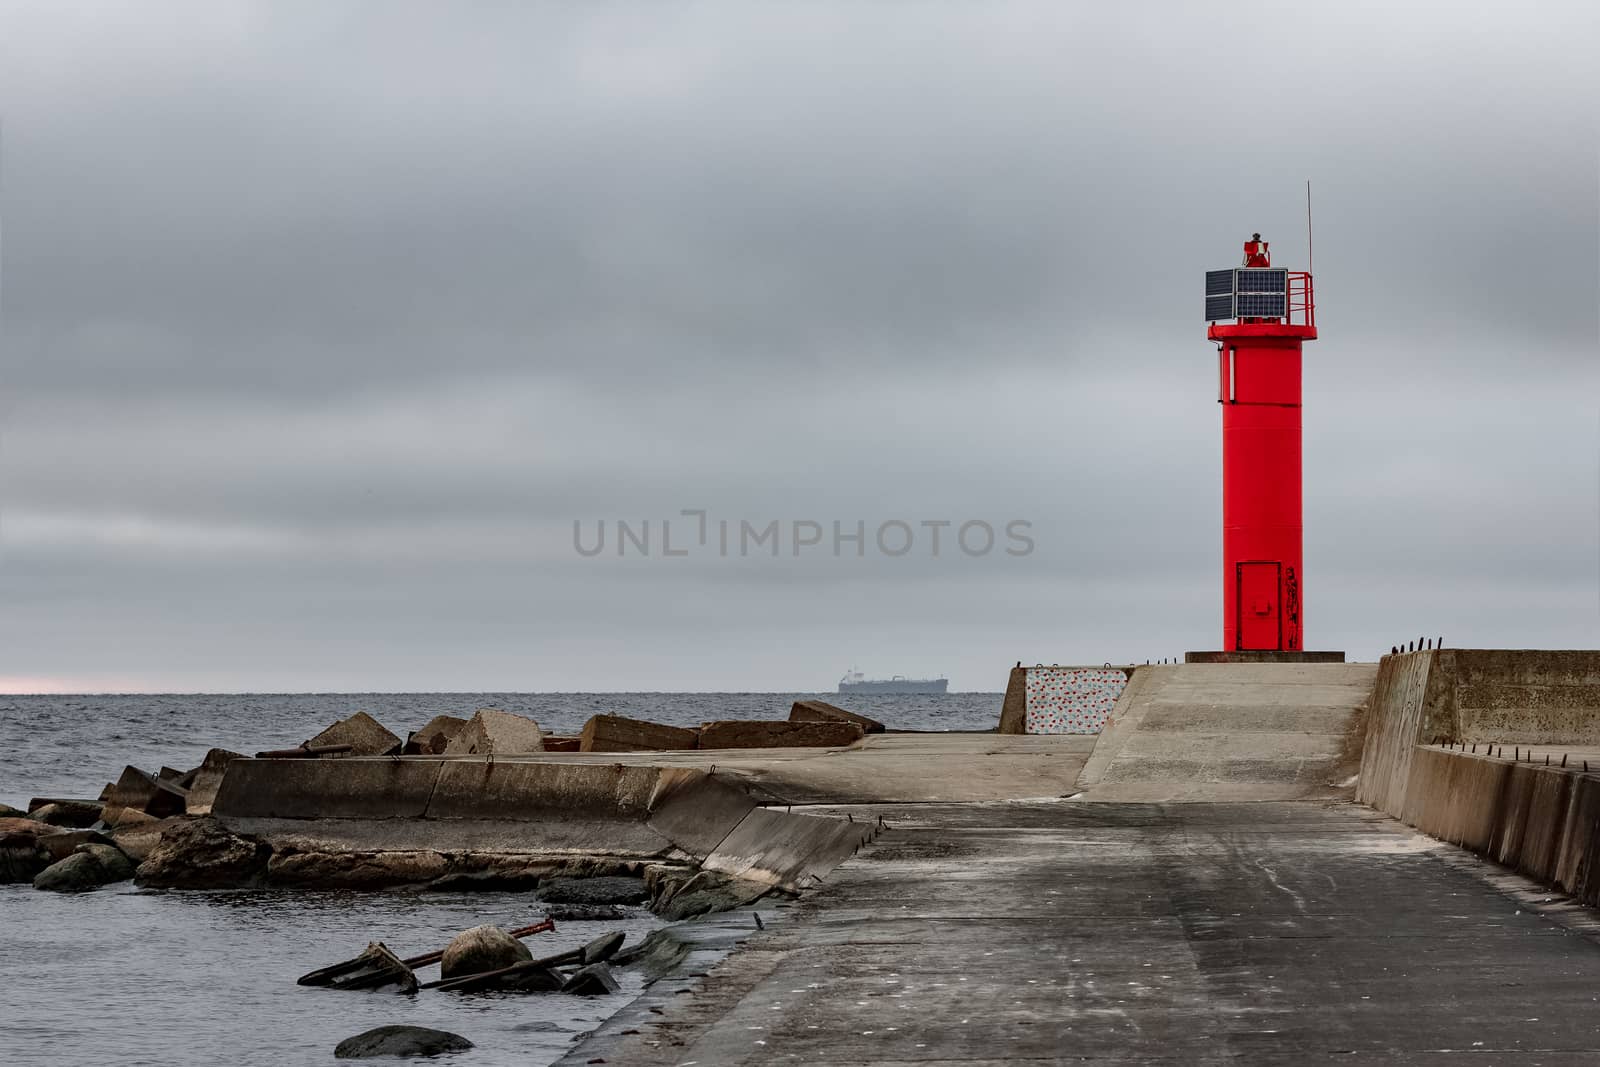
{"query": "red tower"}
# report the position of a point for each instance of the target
(1260, 315)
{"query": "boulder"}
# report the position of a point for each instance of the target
(58, 846)
(480, 949)
(365, 735)
(207, 777)
(8, 812)
(90, 867)
(74, 813)
(748, 733)
(400, 1041)
(140, 791)
(822, 711)
(492, 732)
(434, 737)
(605, 890)
(591, 981)
(613, 733)
(21, 857)
(138, 838)
(203, 854)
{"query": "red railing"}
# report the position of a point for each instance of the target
(1302, 300)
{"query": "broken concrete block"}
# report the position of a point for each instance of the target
(365, 735)
(434, 737)
(492, 732)
(206, 780)
(591, 981)
(750, 733)
(140, 791)
(613, 733)
(552, 743)
(822, 711)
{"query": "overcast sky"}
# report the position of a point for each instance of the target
(324, 322)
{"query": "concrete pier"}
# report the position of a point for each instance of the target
(1271, 933)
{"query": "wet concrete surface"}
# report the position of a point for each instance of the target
(1132, 933)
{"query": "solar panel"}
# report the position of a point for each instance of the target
(1263, 280)
(1262, 305)
(1219, 307)
(1219, 283)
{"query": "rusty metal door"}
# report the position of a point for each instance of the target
(1260, 616)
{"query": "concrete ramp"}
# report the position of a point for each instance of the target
(1232, 731)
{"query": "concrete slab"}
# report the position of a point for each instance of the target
(1194, 934)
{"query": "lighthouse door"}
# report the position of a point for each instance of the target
(1259, 611)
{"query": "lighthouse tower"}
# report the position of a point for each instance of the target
(1259, 317)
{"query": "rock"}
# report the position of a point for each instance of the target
(613, 733)
(203, 854)
(355, 870)
(400, 1041)
(434, 737)
(482, 948)
(207, 777)
(8, 812)
(90, 867)
(492, 732)
(139, 791)
(138, 838)
(822, 711)
(553, 743)
(708, 892)
(365, 735)
(593, 980)
(74, 813)
(21, 857)
(614, 890)
(751, 733)
(58, 846)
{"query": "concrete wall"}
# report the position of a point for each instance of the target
(1061, 700)
(1541, 821)
(1508, 696)
(422, 803)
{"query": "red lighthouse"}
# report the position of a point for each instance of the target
(1260, 315)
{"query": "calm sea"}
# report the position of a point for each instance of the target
(135, 978)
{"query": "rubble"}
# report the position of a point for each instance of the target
(601, 890)
(364, 734)
(758, 733)
(614, 733)
(594, 980)
(492, 732)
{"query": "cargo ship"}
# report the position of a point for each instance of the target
(856, 682)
